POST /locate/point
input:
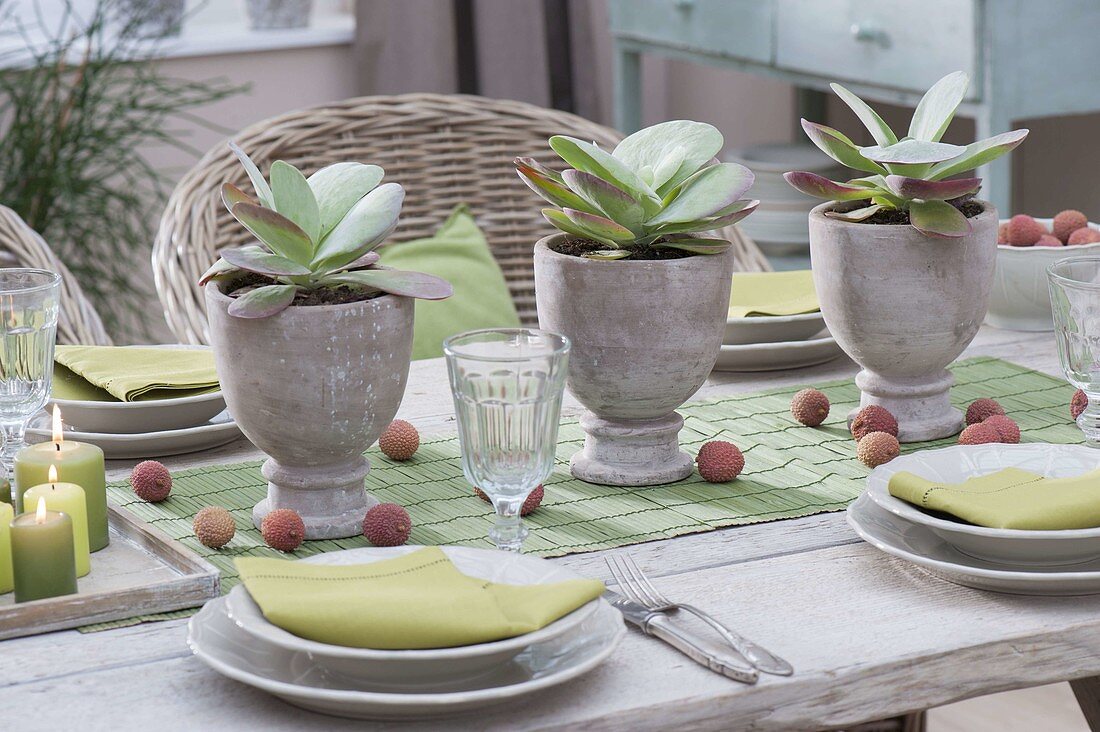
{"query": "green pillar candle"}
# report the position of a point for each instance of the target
(76, 462)
(6, 493)
(7, 513)
(66, 498)
(42, 557)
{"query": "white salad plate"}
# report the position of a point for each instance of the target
(1013, 547)
(777, 356)
(772, 328)
(298, 679)
(918, 545)
(216, 432)
(427, 666)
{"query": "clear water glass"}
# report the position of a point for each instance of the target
(1075, 302)
(507, 387)
(29, 303)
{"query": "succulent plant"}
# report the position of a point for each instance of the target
(316, 232)
(911, 173)
(659, 187)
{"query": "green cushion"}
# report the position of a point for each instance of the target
(459, 254)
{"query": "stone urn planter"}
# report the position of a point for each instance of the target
(904, 305)
(313, 387)
(645, 336)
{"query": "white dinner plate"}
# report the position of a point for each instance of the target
(218, 431)
(918, 545)
(423, 666)
(772, 328)
(295, 678)
(777, 356)
(1006, 546)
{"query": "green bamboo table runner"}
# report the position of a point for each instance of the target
(790, 471)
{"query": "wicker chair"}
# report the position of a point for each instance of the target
(21, 246)
(444, 149)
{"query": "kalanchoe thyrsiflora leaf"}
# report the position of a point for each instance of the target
(552, 190)
(562, 222)
(871, 120)
(340, 186)
(819, 186)
(705, 193)
(736, 211)
(938, 218)
(253, 259)
(365, 261)
(396, 282)
(263, 190)
(279, 233)
(912, 152)
(608, 254)
(217, 269)
(692, 144)
(856, 214)
(263, 302)
(525, 162)
(232, 195)
(839, 147)
(938, 190)
(977, 154)
(697, 245)
(590, 158)
(294, 198)
(366, 225)
(615, 204)
(937, 107)
(605, 228)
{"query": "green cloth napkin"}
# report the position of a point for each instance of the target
(419, 600)
(1009, 499)
(459, 254)
(132, 373)
(773, 293)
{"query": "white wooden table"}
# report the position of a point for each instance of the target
(870, 637)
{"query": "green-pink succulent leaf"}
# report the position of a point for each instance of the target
(978, 153)
(605, 228)
(263, 190)
(340, 186)
(697, 245)
(232, 195)
(672, 150)
(608, 254)
(838, 147)
(670, 168)
(217, 269)
(367, 224)
(524, 162)
(936, 190)
(617, 205)
(562, 222)
(591, 159)
(912, 152)
(939, 219)
(937, 107)
(857, 214)
(368, 259)
(819, 186)
(294, 198)
(396, 282)
(280, 234)
(553, 191)
(706, 192)
(263, 302)
(870, 118)
(253, 259)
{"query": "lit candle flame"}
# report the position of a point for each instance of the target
(52, 474)
(58, 434)
(40, 514)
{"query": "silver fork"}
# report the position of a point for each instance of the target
(635, 585)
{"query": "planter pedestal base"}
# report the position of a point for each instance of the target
(631, 452)
(923, 409)
(330, 498)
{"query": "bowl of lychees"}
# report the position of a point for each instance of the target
(1026, 246)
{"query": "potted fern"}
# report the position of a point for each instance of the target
(312, 338)
(903, 257)
(638, 282)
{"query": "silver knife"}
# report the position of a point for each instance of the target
(717, 658)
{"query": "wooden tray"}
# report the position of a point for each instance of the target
(140, 572)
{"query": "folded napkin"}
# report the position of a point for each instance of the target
(419, 600)
(773, 293)
(1009, 499)
(131, 373)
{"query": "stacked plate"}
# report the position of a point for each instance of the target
(232, 636)
(776, 342)
(1004, 560)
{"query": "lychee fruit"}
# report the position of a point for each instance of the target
(1006, 427)
(533, 500)
(1084, 235)
(1046, 240)
(1067, 222)
(399, 440)
(720, 461)
(1078, 403)
(387, 524)
(214, 526)
(151, 481)
(1024, 231)
(873, 418)
(283, 529)
(877, 448)
(1002, 233)
(980, 409)
(979, 434)
(810, 407)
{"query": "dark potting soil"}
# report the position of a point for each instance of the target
(970, 208)
(576, 247)
(322, 296)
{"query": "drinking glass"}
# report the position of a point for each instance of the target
(1075, 302)
(29, 303)
(507, 386)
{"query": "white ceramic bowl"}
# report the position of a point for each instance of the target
(1020, 298)
(772, 328)
(1003, 546)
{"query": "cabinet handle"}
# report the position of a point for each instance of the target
(870, 33)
